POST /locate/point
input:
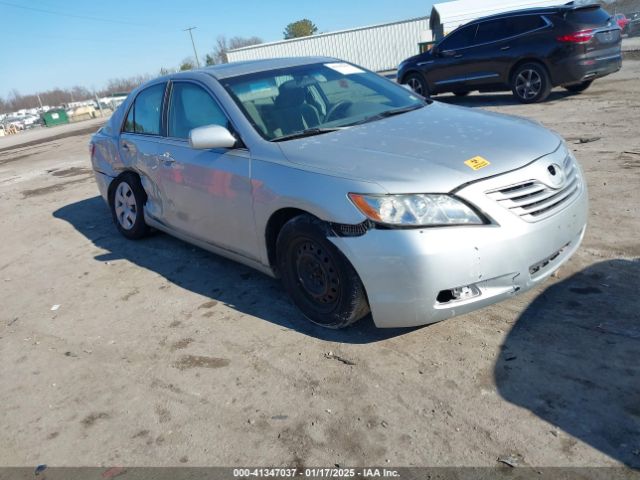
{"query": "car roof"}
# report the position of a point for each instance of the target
(536, 10)
(234, 69)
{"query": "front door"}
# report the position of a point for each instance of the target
(453, 58)
(206, 193)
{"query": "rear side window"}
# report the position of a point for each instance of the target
(192, 107)
(495, 30)
(145, 115)
(492, 31)
(462, 38)
(589, 16)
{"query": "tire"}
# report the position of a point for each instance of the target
(579, 87)
(126, 200)
(530, 83)
(461, 94)
(318, 278)
(417, 83)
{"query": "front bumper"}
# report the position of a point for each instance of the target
(404, 271)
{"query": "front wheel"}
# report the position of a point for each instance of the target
(319, 279)
(417, 83)
(530, 83)
(579, 87)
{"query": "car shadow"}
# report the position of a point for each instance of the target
(573, 359)
(189, 267)
(496, 99)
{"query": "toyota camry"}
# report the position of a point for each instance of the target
(360, 195)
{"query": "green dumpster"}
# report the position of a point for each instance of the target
(55, 117)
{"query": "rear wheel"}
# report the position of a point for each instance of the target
(530, 83)
(417, 83)
(319, 279)
(579, 87)
(127, 199)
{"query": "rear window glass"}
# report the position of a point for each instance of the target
(589, 16)
(495, 30)
(146, 112)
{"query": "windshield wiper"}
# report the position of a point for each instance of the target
(388, 113)
(309, 132)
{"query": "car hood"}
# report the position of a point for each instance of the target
(425, 150)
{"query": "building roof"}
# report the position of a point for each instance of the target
(327, 34)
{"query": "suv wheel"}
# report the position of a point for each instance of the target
(319, 279)
(579, 87)
(127, 201)
(530, 83)
(417, 83)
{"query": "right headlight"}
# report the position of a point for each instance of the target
(416, 210)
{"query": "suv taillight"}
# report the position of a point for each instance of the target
(582, 36)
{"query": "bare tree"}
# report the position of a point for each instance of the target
(188, 63)
(222, 46)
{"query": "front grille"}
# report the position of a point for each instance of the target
(533, 201)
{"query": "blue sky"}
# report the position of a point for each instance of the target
(123, 38)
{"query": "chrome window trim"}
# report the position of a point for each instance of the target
(465, 79)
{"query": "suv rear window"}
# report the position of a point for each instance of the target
(494, 30)
(589, 16)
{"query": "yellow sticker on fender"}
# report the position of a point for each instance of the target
(476, 163)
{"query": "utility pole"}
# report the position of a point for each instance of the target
(193, 43)
(39, 101)
(95, 95)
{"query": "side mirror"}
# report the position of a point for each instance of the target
(211, 136)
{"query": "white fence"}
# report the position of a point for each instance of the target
(378, 47)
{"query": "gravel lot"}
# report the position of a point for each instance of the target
(158, 353)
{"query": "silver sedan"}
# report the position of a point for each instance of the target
(360, 195)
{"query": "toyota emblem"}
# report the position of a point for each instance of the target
(556, 175)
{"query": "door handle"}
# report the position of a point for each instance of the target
(167, 158)
(506, 47)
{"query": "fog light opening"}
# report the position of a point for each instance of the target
(458, 294)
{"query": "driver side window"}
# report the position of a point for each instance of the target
(465, 37)
(191, 106)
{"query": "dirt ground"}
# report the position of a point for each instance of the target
(159, 353)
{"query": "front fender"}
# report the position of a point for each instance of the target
(277, 186)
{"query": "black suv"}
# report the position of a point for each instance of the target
(526, 51)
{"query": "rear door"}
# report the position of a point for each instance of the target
(141, 144)
(206, 193)
(501, 42)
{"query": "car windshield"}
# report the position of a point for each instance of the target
(314, 99)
